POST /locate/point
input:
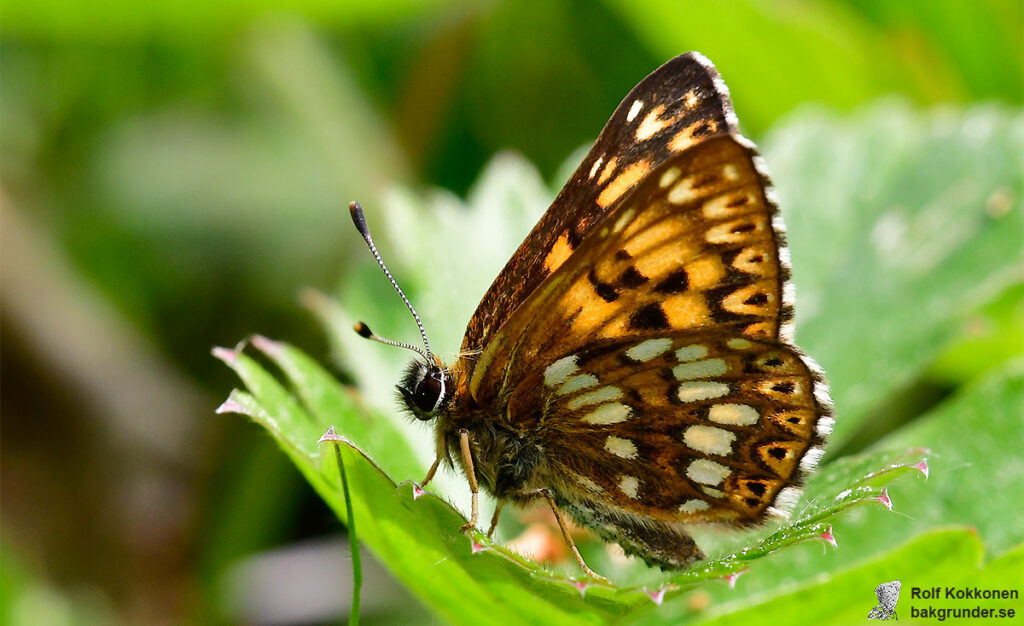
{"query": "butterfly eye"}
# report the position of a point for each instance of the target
(423, 390)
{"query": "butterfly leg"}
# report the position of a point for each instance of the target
(546, 494)
(467, 463)
(494, 519)
(442, 452)
(430, 472)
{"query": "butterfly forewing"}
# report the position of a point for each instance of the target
(675, 107)
(693, 247)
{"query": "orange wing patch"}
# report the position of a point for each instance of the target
(622, 183)
(558, 253)
(661, 261)
(684, 97)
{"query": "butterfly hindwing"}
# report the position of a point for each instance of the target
(678, 105)
(683, 426)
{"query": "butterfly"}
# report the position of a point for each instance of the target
(633, 363)
(888, 594)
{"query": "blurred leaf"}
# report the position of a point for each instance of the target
(993, 334)
(900, 224)
(120, 20)
(28, 599)
(791, 52)
(947, 32)
(840, 53)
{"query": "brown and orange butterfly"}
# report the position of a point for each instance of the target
(633, 362)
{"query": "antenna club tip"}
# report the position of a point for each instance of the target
(363, 330)
(356, 211)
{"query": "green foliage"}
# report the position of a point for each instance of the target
(921, 242)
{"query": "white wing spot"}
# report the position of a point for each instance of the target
(707, 472)
(604, 394)
(691, 100)
(634, 110)
(692, 506)
(649, 349)
(700, 369)
(730, 172)
(737, 343)
(691, 392)
(709, 440)
(581, 381)
(630, 486)
(624, 220)
(735, 414)
(608, 414)
(711, 491)
(669, 177)
(652, 124)
(560, 370)
(596, 166)
(621, 447)
(683, 192)
(690, 353)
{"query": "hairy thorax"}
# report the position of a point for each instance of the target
(508, 457)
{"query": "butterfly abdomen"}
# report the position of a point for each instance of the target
(658, 543)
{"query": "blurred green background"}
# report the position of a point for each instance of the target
(174, 173)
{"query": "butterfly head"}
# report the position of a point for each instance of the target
(425, 389)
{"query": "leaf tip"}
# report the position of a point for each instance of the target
(229, 406)
(417, 492)
(829, 537)
(658, 596)
(581, 586)
(734, 576)
(883, 497)
(331, 435)
(922, 467)
(477, 547)
(227, 355)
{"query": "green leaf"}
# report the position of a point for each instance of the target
(976, 465)
(900, 225)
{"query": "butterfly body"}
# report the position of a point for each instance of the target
(633, 362)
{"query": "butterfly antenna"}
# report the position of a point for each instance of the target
(364, 331)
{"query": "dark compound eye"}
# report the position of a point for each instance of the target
(423, 389)
(427, 391)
